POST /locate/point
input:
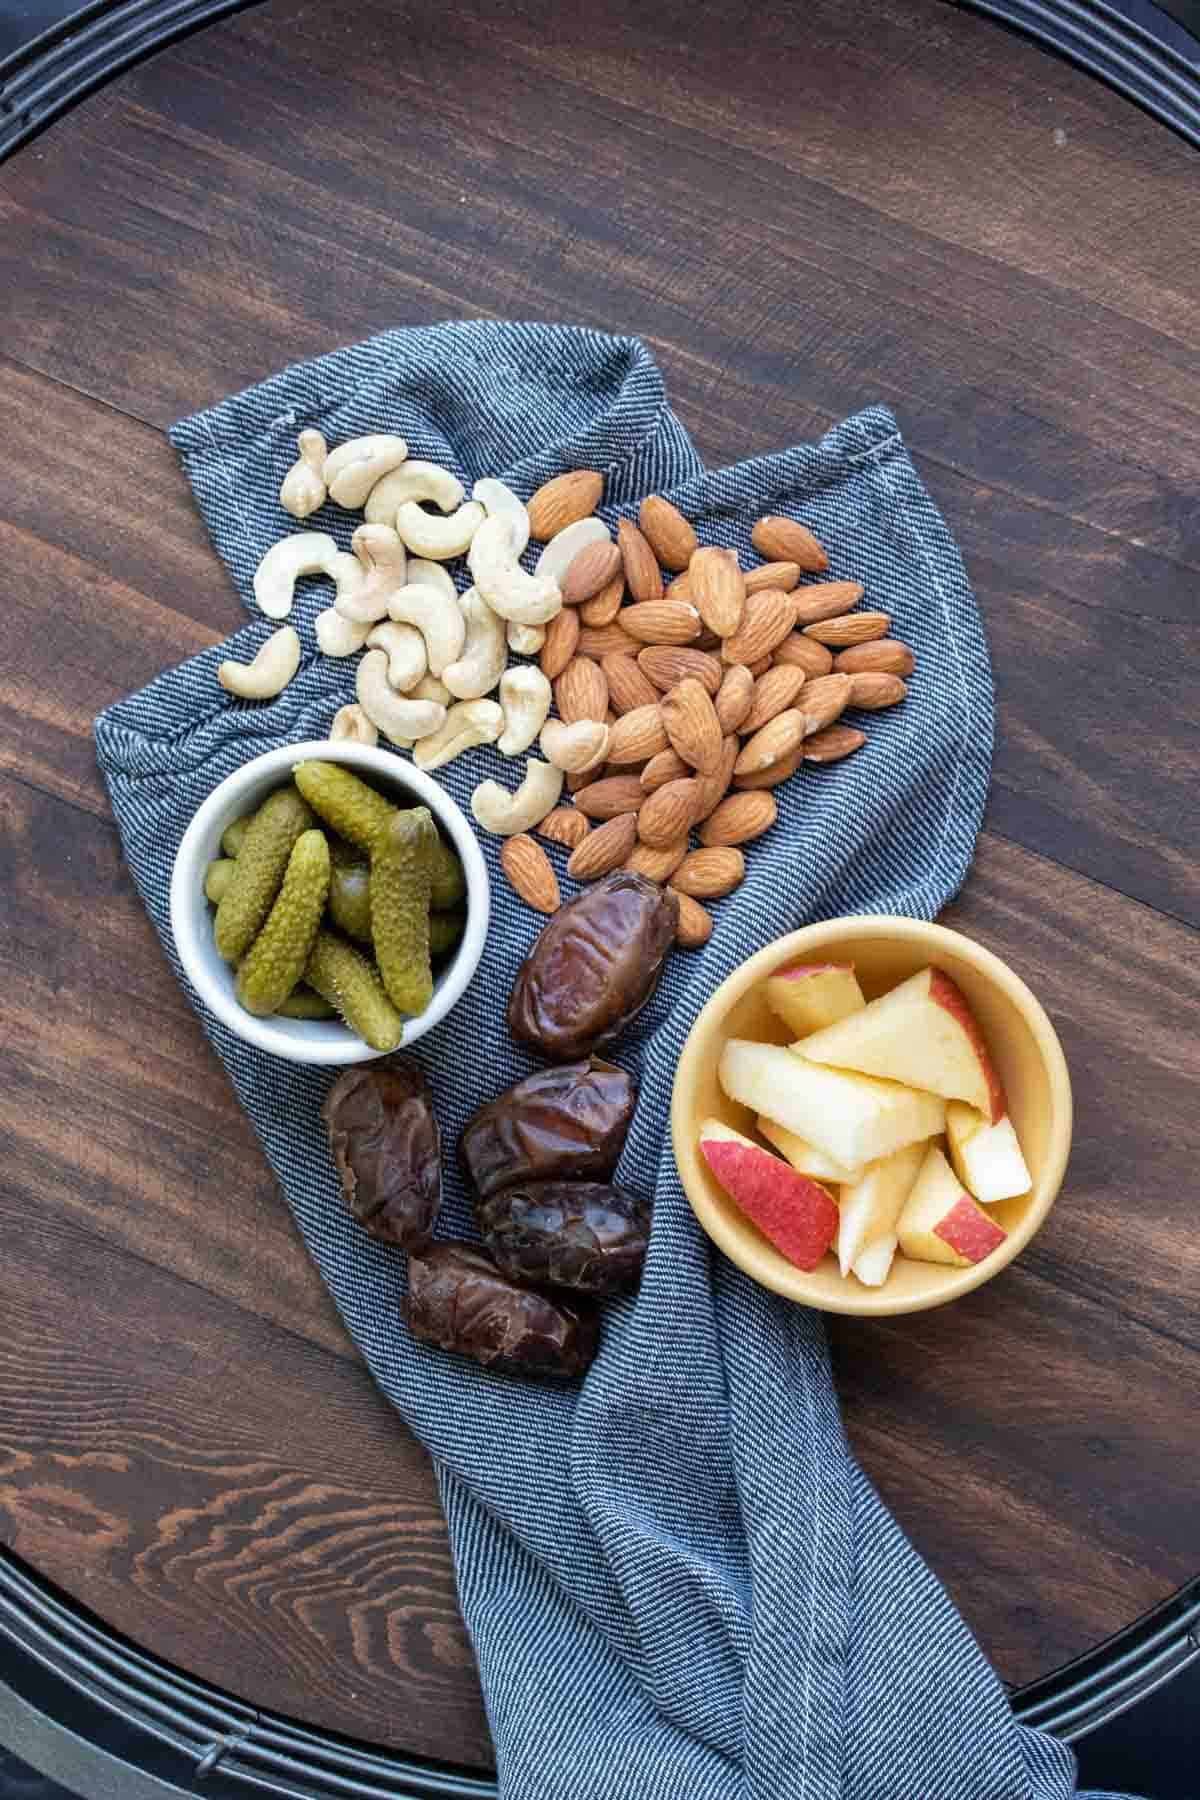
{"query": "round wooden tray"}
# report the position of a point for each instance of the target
(803, 211)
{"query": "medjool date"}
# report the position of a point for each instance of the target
(388, 1151)
(570, 1122)
(459, 1300)
(583, 1235)
(594, 967)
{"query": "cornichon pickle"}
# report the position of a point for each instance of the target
(343, 801)
(449, 883)
(445, 929)
(233, 836)
(401, 859)
(343, 976)
(350, 898)
(258, 871)
(275, 961)
(302, 1003)
(217, 877)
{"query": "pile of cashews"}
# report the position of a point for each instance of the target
(431, 656)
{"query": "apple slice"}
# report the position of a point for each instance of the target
(810, 995)
(869, 1207)
(941, 1222)
(852, 1118)
(986, 1157)
(923, 1033)
(873, 1265)
(796, 1214)
(805, 1157)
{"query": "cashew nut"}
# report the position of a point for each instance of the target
(466, 724)
(398, 718)
(438, 619)
(304, 553)
(504, 584)
(431, 574)
(405, 649)
(506, 814)
(271, 670)
(353, 469)
(574, 747)
(485, 652)
(562, 550)
(439, 538)
(525, 640)
(337, 636)
(499, 501)
(303, 489)
(525, 695)
(415, 481)
(428, 688)
(382, 565)
(352, 724)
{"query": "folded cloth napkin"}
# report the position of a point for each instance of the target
(678, 1583)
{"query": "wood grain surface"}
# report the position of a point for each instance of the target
(803, 210)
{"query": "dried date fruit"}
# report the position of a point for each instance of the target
(459, 1300)
(583, 1235)
(568, 1122)
(594, 967)
(388, 1151)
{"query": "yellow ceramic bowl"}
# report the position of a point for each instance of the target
(884, 950)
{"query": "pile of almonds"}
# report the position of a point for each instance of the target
(713, 689)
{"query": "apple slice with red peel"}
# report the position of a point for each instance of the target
(853, 1118)
(810, 995)
(922, 1033)
(987, 1158)
(873, 1265)
(805, 1157)
(868, 1208)
(797, 1215)
(941, 1222)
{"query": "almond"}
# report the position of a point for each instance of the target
(833, 743)
(666, 766)
(692, 726)
(884, 656)
(604, 606)
(564, 826)
(773, 693)
(668, 533)
(784, 540)
(581, 691)
(661, 621)
(603, 849)
(855, 628)
(713, 788)
(734, 698)
(680, 588)
(562, 502)
(718, 590)
(607, 640)
(825, 699)
(612, 796)
(766, 621)
(560, 643)
(637, 735)
(594, 567)
(760, 667)
(872, 692)
(578, 779)
(661, 863)
(643, 577)
(666, 665)
(772, 776)
(708, 640)
(695, 925)
(668, 813)
(777, 739)
(805, 653)
(709, 874)
(530, 873)
(825, 600)
(739, 818)
(627, 686)
(781, 575)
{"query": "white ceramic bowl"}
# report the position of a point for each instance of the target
(315, 1040)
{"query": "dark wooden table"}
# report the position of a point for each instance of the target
(803, 209)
